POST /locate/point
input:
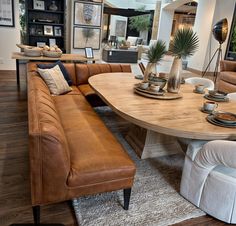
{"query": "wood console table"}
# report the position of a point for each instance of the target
(64, 57)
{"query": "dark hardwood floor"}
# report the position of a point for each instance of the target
(15, 204)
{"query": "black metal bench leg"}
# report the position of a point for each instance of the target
(36, 213)
(127, 193)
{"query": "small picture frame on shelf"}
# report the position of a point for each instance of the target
(57, 31)
(52, 42)
(39, 4)
(48, 30)
(88, 52)
(41, 44)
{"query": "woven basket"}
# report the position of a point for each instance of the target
(52, 54)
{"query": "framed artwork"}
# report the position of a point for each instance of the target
(41, 44)
(48, 30)
(86, 37)
(7, 13)
(39, 4)
(120, 28)
(52, 42)
(57, 31)
(87, 13)
(88, 52)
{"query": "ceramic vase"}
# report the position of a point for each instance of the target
(150, 71)
(174, 79)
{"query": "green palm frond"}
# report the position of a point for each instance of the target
(185, 43)
(156, 51)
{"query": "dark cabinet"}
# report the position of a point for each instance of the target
(45, 22)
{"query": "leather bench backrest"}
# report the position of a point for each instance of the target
(84, 71)
(226, 65)
(47, 140)
(70, 67)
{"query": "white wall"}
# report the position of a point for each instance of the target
(208, 13)
(165, 26)
(10, 36)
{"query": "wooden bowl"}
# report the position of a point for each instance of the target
(33, 52)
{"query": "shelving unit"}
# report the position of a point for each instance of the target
(45, 25)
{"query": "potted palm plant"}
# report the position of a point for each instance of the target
(154, 55)
(184, 44)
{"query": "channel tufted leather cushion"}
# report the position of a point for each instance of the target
(227, 78)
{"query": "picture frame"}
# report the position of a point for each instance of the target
(39, 4)
(86, 37)
(48, 30)
(57, 31)
(7, 13)
(41, 44)
(89, 52)
(87, 13)
(52, 42)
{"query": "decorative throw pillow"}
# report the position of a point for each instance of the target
(62, 67)
(55, 80)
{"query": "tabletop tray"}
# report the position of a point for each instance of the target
(165, 96)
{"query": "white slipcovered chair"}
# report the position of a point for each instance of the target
(209, 84)
(232, 96)
(209, 178)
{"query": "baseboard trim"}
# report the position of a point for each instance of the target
(195, 71)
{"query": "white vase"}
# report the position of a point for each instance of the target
(151, 70)
(174, 79)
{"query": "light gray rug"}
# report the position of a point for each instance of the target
(155, 198)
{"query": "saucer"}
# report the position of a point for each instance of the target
(205, 111)
(208, 97)
(139, 77)
(199, 92)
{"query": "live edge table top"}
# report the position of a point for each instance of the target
(180, 117)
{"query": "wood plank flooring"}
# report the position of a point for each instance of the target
(15, 204)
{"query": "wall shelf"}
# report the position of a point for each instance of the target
(37, 31)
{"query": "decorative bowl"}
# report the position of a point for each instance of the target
(33, 52)
(52, 54)
(22, 46)
(158, 81)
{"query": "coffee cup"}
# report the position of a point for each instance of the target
(154, 88)
(199, 88)
(144, 85)
(210, 106)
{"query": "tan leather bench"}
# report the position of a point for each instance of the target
(72, 153)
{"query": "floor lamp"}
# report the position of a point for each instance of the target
(220, 31)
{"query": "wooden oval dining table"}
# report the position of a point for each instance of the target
(157, 123)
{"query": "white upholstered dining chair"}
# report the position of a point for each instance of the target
(209, 179)
(231, 96)
(209, 84)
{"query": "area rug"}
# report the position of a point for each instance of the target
(155, 198)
